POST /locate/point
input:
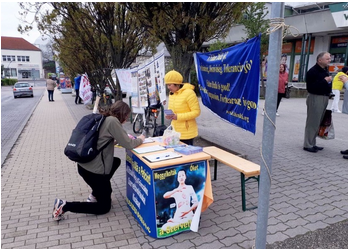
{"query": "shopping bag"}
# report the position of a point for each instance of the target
(326, 130)
(171, 136)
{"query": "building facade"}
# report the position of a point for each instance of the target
(318, 26)
(20, 59)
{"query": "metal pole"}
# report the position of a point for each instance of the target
(275, 42)
(307, 59)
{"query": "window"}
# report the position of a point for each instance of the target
(23, 58)
(7, 58)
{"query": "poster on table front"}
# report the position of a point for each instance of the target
(178, 194)
(139, 192)
(229, 82)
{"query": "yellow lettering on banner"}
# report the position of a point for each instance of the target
(165, 174)
(193, 167)
(145, 175)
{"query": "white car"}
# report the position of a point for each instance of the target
(22, 89)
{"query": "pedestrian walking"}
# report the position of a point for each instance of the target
(283, 80)
(337, 86)
(98, 172)
(50, 85)
(185, 106)
(344, 79)
(319, 87)
(77, 81)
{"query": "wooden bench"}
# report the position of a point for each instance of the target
(248, 170)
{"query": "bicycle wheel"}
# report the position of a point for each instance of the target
(138, 124)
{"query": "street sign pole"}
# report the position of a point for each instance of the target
(274, 56)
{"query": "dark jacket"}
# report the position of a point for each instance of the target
(316, 83)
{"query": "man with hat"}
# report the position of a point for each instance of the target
(185, 106)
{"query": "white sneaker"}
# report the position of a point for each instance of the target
(338, 111)
(91, 198)
(277, 114)
(262, 112)
(57, 213)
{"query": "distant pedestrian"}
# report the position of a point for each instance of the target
(344, 79)
(98, 172)
(283, 80)
(337, 86)
(319, 87)
(77, 80)
(50, 85)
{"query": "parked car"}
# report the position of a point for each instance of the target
(22, 89)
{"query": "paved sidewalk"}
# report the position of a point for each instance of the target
(309, 191)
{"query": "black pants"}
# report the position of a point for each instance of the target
(50, 95)
(188, 142)
(101, 189)
(280, 95)
(77, 97)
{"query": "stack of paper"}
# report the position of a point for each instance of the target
(149, 149)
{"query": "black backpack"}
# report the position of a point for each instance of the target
(82, 145)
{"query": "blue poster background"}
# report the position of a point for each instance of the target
(166, 180)
(229, 82)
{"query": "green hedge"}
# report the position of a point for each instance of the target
(6, 82)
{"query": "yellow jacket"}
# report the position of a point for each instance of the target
(185, 105)
(336, 83)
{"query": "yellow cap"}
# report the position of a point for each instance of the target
(173, 77)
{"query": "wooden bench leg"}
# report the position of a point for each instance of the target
(243, 191)
(215, 170)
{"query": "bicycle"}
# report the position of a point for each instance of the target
(141, 125)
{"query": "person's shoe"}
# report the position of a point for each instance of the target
(345, 157)
(262, 112)
(277, 114)
(344, 152)
(338, 111)
(318, 148)
(57, 213)
(312, 150)
(91, 198)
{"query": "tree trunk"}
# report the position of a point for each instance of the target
(182, 61)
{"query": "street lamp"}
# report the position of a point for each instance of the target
(8, 69)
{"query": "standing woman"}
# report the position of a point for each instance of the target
(50, 85)
(283, 79)
(98, 172)
(185, 106)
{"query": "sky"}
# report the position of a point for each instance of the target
(10, 21)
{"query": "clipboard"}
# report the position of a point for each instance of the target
(148, 149)
(162, 156)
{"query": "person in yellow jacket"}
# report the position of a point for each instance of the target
(185, 106)
(337, 86)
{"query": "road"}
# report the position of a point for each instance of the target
(14, 115)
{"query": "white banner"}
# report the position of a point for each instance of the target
(85, 90)
(124, 76)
